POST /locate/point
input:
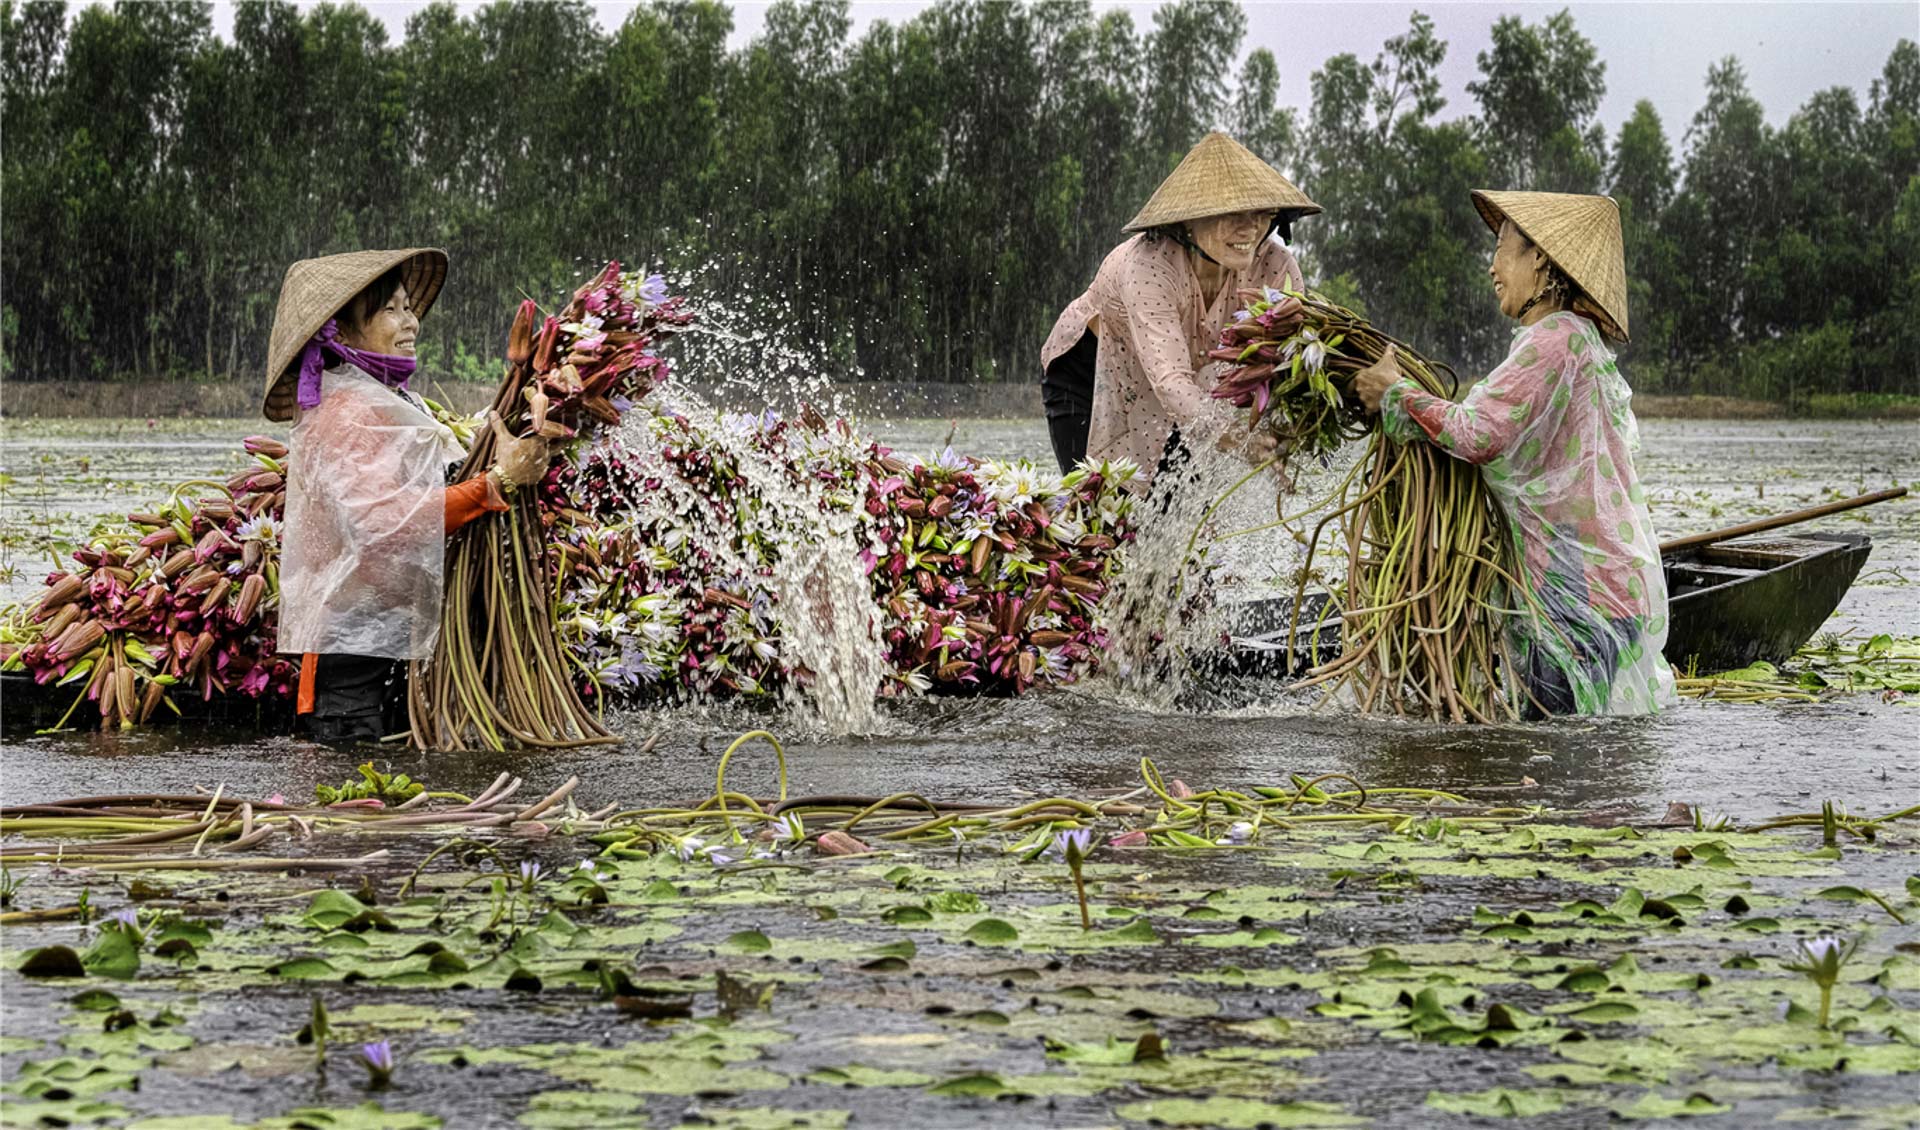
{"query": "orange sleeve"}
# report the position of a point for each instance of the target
(309, 670)
(470, 499)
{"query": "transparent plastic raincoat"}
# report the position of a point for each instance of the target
(1554, 437)
(362, 560)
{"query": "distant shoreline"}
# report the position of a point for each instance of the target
(240, 399)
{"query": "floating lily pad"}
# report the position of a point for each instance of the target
(1237, 1114)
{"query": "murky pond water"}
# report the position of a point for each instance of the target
(965, 1024)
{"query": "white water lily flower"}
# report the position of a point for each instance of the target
(1314, 350)
(260, 527)
(1820, 948)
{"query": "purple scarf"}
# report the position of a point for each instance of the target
(389, 369)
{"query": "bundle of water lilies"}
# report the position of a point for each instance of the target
(645, 566)
(985, 576)
(1423, 537)
(1286, 354)
(182, 599)
(499, 672)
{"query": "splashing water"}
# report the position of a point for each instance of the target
(801, 565)
(1210, 549)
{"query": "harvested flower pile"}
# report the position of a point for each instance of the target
(182, 599)
(985, 576)
(988, 574)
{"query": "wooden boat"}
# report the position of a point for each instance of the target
(1735, 602)
(1729, 603)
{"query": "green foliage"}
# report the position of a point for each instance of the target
(392, 788)
(916, 204)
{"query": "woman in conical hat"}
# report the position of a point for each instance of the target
(1123, 367)
(368, 505)
(1553, 433)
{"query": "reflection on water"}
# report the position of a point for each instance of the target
(1745, 761)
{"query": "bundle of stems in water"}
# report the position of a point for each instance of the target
(499, 672)
(1425, 543)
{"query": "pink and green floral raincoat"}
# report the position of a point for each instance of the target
(1554, 436)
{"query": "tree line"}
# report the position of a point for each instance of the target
(915, 204)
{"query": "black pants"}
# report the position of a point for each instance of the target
(357, 698)
(1067, 391)
(1069, 435)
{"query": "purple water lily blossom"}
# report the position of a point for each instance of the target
(530, 872)
(1080, 839)
(126, 918)
(1238, 832)
(378, 1058)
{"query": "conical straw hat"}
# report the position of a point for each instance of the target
(1581, 235)
(1217, 177)
(316, 289)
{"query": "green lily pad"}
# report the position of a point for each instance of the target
(859, 1075)
(1651, 1105)
(979, 1085)
(992, 932)
(1501, 1102)
(1237, 1114)
(748, 941)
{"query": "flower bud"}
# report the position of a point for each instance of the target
(520, 335)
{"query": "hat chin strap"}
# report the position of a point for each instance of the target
(1185, 239)
(1546, 288)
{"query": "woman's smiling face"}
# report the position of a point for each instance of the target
(1231, 240)
(391, 329)
(1516, 269)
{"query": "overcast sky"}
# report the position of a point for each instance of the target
(1658, 51)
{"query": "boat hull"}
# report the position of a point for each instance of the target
(1729, 604)
(1756, 599)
